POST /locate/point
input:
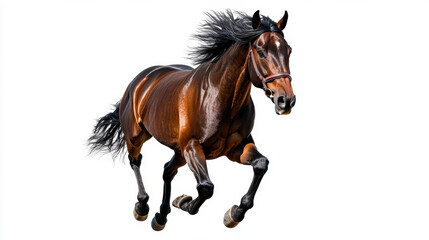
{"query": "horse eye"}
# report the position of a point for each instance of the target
(261, 53)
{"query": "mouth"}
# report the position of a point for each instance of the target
(283, 112)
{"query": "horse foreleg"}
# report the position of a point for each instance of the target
(195, 157)
(249, 155)
(170, 170)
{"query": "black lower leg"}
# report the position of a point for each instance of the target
(260, 166)
(205, 191)
(170, 170)
(141, 207)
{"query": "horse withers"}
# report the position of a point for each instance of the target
(206, 112)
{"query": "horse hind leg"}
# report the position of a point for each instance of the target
(170, 170)
(134, 145)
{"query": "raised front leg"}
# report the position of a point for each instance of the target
(194, 156)
(246, 154)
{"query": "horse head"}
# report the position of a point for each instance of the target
(268, 65)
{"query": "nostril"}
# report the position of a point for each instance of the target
(292, 102)
(268, 93)
(281, 102)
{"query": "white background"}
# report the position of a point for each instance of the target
(350, 162)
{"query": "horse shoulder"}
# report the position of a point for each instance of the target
(241, 127)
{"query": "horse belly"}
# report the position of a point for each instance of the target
(161, 122)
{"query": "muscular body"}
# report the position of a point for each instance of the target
(200, 116)
(176, 105)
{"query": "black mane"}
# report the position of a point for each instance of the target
(222, 29)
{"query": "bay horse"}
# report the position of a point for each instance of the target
(206, 112)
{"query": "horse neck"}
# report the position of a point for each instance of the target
(233, 81)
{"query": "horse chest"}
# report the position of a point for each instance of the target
(228, 137)
(215, 149)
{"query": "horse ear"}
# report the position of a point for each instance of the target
(282, 23)
(256, 20)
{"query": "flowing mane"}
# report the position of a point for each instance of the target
(222, 30)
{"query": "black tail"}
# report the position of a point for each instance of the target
(107, 135)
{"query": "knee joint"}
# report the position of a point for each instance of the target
(205, 190)
(260, 165)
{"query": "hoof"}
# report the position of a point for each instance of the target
(137, 216)
(228, 221)
(156, 226)
(179, 201)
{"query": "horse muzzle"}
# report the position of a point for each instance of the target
(284, 105)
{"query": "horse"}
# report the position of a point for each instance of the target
(203, 113)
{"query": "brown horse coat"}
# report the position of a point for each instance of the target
(176, 105)
(206, 112)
